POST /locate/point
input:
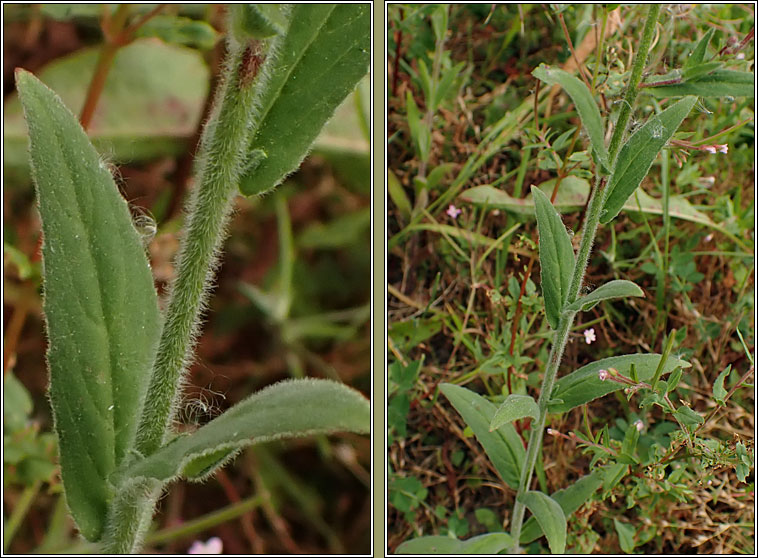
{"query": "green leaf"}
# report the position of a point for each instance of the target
(618, 288)
(489, 543)
(100, 304)
(556, 257)
(638, 153)
(721, 83)
(419, 133)
(398, 195)
(570, 499)
(550, 517)
(446, 82)
(180, 31)
(698, 54)
(719, 393)
(17, 404)
(503, 446)
(439, 21)
(626, 534)
(583, 385)
(324, 54)
(674, 379)
(687, 416)
(292, 408)
(585, 105)
(513, 408)
(695, 72)
(150, 105)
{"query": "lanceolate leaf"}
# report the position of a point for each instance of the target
(489, 543)
(570, 499)
(618, 288)
(324, 54)
(503, 446)
(638, 153)
(585, 105)
(550, 517)
(556, 257)
(720, 83)
(513, 408)
(584, 385)
(289, 409)
(100, 304)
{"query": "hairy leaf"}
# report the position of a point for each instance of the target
(584, 385)
(100, 304)
(618, 288)
(289, 409)
(513, 408)
(550, 517)
(324, 54)
(638, 153)
(556, 257)
(503, 446)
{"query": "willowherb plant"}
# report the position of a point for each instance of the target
(116, 364)
(620, 167)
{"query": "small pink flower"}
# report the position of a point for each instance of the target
(453, 211)
(551, 432)
(589, 335)
(214, 545)
(638, 424)
(603, 375)
(723, 148)
(709, 148)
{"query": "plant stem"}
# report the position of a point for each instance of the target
(223, 149)
(594, 210)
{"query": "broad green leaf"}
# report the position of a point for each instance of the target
(719, 393)
(515, 407)
(638, 153)
(585, 105)
(570, 499)
(100, 304)
(292, 408)
(150, 106)
(626, 534)
(556, 257)
(618, 288)
(324, 54)
(720, 83)
(583, 385)
(549, 516)
(503, 446)
(489, 543)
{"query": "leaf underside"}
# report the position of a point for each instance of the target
(100, 304)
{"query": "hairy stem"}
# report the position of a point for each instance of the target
(560, 338)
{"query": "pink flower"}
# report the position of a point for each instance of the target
(638, 424)
(723, 148)
(589, 335)
(603, 375)
(453, 211)
(214, 545)
(709, 148)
